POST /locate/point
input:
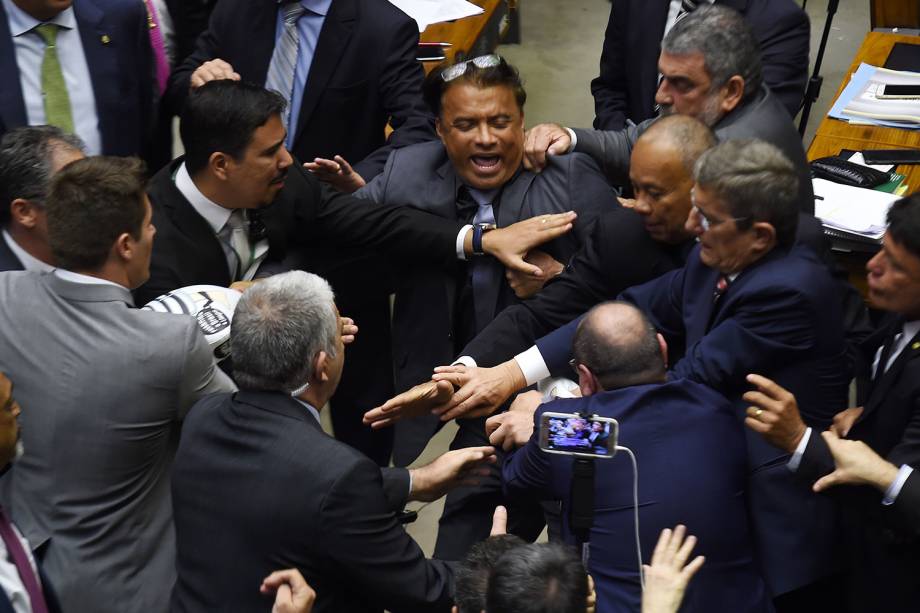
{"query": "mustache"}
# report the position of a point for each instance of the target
(281, 176)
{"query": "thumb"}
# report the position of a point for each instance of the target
(826, 482)
(499, 521)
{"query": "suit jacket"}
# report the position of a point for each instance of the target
(625, 89)
(186, 250)
(761, 117)
(883, 542)
(103, 407)
(258, 486)
(117, 49)
(689, 447)
(8, 259)
(190, 19)
(364, 74)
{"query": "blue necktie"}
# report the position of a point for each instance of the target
(284, 58)
(485, 274)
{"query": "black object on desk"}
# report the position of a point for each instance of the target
(904, 56)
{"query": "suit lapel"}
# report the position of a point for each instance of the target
(882, 383)
(447, 177)
(12, 107)
(333, 39)
(511, 198)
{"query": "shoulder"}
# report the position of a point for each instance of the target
(427, 156)
(117, 11)
(772, 14)
(571, 166)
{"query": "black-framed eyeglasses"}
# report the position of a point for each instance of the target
(458, 70)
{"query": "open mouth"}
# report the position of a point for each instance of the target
(486, 162)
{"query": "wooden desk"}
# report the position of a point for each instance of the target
(471, 36)
(834, 135)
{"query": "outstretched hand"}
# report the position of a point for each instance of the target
(292, 592)
(482, 390)
(543, 140)
(667, 576)
(414, 402)
(856, 464)
(510, 244)
(774, 414)
(526, 285)
(337, 172)
(450, 470)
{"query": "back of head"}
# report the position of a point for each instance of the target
(619, 345)
(756, 181)
(686, 135)
(279, 326)
(26, 163)
(726, 42)
(472, 574)
(222, 116)
(538, 578)
(494, 72)
(904, 223)
(91, 203)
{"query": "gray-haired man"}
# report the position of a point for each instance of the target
(258, 485)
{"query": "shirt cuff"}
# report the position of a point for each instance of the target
(796, 458)
(465, 360)
(891, 494)
(409, 495)
(461, 254)
(573, 138)
(532, 364)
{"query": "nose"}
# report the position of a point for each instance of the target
(284, 159)
(16, 409)
(875, 265)
(663, 94)
(693, 224)
(484, 135)
(642, 206)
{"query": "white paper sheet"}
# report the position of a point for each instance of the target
(853, 209)
(426, 12)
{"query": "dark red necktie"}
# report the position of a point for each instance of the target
(21, 560)
(721, 287)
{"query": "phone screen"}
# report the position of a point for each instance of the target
(569, 434)
(900, 91)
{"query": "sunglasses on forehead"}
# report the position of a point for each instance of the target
(458, 70)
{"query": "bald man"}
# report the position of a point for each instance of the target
(690, 449)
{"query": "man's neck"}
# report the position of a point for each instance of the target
(315, 396)
(210, 189)
(31, 244)
(108, 273)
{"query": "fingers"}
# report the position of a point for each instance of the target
(213, 70)
(756, 425)
(493, 424)
(764, 416)
(451, 368)
(664, 541)
(768, 387)
(691, 568)
(457, 379)
(827, 481)
(499, 521)
(459, 398)
(283, 577)
(627, 203)
(683, 554)
(344, 166)
(517, 263)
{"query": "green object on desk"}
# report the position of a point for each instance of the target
(892, 185)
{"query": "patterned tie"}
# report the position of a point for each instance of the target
(721, 287)
(158, 46)
(284, 58)
(54, 90)
(484, 278)
(236, 232)
(26, 574)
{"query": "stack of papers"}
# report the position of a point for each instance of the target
(426, 12)
(854, 211)
(859, 101)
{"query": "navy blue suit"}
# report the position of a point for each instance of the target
(117, 48)
(690, 451)
(775, 319)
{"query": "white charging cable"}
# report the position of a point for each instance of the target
(635, 468)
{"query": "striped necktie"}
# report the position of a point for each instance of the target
(686, 7)
(284, 58)
(54, 90)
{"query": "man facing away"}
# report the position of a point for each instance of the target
(107, 388)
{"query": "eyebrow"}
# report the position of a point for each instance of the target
(275, 147)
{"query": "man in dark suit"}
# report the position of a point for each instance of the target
(236, 161)
(711, 70)
(881, 531)
(98, 52)
(690, 450)
(625, 89)
(258, 485)
(29, 156)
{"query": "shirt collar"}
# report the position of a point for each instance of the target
(75, 277)
(310, 408)
(213, 213)
(28, 261)
(21, 22)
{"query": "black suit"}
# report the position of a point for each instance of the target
(8, 259)
(258, 486)
(364, 73)
(628, 77)
(883, 542)
(190, 19)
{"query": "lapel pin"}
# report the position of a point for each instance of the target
(915, 345)
(105, 39)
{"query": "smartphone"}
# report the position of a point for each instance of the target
(892, 156)
(900, 92)
(577, 435)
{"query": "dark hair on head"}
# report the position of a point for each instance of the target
(502, 74)
(91, 203)
(538, 578)
(472, 574)
(619, 355)
(687, 135)
(25, 163)
(222, 116)
(726, 42)
(904, 223)
(756, 181)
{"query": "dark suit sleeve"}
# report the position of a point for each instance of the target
(907, 504)
(662, 300)
(396, 487)
(401, 93)
(206, 48)
(784, 37)
(526, 471)
(609, 88)
(370, 549)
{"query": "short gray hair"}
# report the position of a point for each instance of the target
(279, 326)
(726, 42)
(756, 181)
(25, 163)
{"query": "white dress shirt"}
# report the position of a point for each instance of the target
(10, 582)
(29, 48)
(28, 261)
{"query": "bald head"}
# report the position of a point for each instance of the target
(619, 346)
(686, 136)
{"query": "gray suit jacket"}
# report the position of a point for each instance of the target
(762, 117)
(423, 177)
(103, 389)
